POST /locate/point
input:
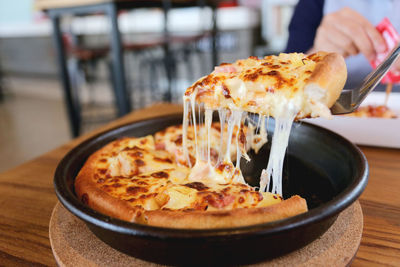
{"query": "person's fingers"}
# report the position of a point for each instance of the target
(329, 39)
(323, 43)
(357, 34)
(349, 33)
(375, 37)
(338, 39)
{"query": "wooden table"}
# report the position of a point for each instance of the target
(27, 199)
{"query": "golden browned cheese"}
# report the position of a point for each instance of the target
(131, 177)
(311, 84)
(170, 139)
(133, 171)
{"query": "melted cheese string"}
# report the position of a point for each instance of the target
(222, 117)
(203, 169)
(193, 106)
(185, 125)
(234, 121)
(208, 121)
(280, 140)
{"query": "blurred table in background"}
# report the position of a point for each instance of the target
(56, 9)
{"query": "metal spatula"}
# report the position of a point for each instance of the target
(350, 100)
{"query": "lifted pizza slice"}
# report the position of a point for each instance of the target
(307, 85)
(286, 87)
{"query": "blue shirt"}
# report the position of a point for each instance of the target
(302, 28)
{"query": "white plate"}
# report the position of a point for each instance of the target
(368, 131)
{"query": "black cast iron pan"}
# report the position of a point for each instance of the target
(321, 166)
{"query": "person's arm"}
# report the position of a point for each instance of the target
(347, 32)
(303, 26)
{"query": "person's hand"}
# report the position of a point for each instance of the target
(348, 33)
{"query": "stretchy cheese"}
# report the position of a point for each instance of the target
(286, 87)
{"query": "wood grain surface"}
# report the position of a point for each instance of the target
(27, 199)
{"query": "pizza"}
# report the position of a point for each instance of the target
(373, 111)
(286, 87)
(171, 140)
(308, 84)
(376, 111)
(136, 180)
(188, 176)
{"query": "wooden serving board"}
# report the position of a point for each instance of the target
(73, 244)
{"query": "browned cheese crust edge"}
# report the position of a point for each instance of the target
(90, 194)
(226, 219)
(329, 74)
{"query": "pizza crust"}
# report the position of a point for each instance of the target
(91, 195)
(225, 219)
(328, 77)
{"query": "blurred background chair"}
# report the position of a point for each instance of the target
(164, 49)
(83, 58)
(83, 66)
(158, 65)
(30, 62)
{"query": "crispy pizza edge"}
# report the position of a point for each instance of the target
(226, 218)
(330, 74)
(89, 193)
